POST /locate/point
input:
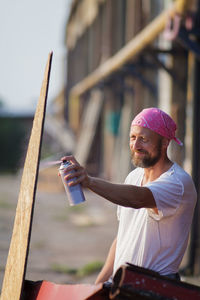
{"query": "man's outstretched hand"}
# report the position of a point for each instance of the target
(76, 172)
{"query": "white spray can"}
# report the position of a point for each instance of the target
(74, 193)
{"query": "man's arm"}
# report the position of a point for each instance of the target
(121, 194)
(107, 269)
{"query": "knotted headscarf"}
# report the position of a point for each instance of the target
(158, 121)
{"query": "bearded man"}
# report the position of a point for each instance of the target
(155, 204)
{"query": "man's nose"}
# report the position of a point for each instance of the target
(135, 145)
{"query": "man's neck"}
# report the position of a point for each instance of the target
(152, 173)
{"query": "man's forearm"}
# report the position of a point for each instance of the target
(122, 194)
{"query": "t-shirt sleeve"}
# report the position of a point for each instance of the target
(167, 192)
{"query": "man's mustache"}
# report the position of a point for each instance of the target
(140, 151)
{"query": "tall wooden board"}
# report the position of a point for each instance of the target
(19, 245)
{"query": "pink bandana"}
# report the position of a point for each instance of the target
(158, 121)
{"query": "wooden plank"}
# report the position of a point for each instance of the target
(19, 246)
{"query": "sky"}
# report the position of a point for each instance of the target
(29, 31)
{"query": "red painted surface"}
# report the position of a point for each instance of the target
(52, 291)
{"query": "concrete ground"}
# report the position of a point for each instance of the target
(66, 241)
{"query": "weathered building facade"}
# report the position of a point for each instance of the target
(123, 56)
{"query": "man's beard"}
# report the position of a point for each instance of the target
(147, 160)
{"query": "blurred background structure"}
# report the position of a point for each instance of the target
(122, 56)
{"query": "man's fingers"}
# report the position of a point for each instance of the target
(73, 174)
(77, 181)
(75, 161)
(73, 169)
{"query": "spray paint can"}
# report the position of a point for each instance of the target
(74, 193)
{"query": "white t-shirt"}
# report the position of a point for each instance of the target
(157, 241)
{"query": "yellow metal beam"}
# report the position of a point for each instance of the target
(181, 6)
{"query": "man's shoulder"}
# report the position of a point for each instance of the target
(185, 179)
(181, 173)
(178, 180)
